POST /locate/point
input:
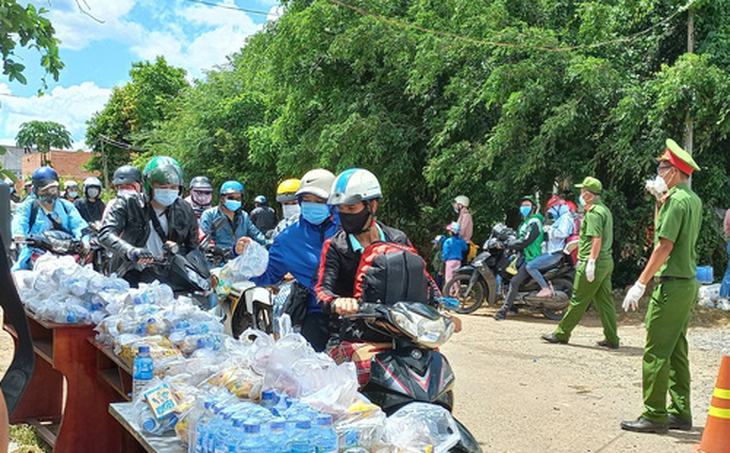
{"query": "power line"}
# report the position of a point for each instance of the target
(506, 44)
(234, 8)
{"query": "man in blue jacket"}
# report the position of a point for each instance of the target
(43, 212)
(297, 250)
(238, 223)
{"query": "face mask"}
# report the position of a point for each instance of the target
(290, 210)
(232, 205)
(93, 192)
(201, 198)
(73, 194)
(125, 192)
(657, 187)
(582, 201)
(525, 210)
(315, 213)
(49, 198)
(456, 210)
(354, 223)
(166, 197)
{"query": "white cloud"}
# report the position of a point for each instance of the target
(70, 106)
(275, 13)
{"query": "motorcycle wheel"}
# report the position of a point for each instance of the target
(457, 286)
(565, 286)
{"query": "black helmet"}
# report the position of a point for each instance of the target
(127, 174)
(201, 182)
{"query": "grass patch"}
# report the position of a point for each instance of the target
(27, 440)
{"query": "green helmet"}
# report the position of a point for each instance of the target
(162, 170)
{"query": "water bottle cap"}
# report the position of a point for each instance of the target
(324, 420)
(237, 422)
(144, 349)
(303, 424)
(149, 424)
(279, 426)
(268, 395)
(251, 428)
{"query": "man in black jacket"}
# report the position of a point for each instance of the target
(138, 227)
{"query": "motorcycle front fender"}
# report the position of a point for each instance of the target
(465, 270)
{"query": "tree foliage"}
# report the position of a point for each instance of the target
(42, 135)
(26, 26)
(132, 112)
(436, 116)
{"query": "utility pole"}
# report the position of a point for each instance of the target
(689, 126)
(103, 161)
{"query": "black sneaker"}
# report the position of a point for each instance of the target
(501, 315)
(606, 344)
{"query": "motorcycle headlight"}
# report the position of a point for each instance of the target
(429, 329)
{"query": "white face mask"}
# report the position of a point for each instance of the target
(290, 210)
(125, 192)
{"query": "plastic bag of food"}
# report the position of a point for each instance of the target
(363, 426)
(419, 426)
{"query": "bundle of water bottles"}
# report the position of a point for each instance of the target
(61, 291)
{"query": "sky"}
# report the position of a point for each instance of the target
(99, 51)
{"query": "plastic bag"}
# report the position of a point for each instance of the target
(251, 263)
(416, 426)
(363, 426)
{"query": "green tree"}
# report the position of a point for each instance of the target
(42, 135)
(26, 26)
(122, 128)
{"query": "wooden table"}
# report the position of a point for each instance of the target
(64, 399)
(113, 371)
(169, 443)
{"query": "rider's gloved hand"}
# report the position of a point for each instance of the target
(140, 255)
(631, 302)
(591, 270)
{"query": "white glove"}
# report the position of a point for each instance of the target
(546, 229)
(631, 301)
(591, 270)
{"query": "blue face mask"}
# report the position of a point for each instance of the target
(315, 213)
(525, 210)
(73, 194)
(581, 201)
(232, 205)
(166, 197)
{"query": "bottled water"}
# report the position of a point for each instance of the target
(143, 371)
(235, 436)
(278, 437)
(253, 441)
(301, 440)
(325, 439)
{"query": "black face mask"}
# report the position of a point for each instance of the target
(354, 223)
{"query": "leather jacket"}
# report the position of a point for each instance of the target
(127, 226)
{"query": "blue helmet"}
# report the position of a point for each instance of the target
(260, 199)
(43, 176)
(229, 187)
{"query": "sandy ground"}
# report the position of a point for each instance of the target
(519, 394)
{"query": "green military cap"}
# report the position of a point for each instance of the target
(678, 157)
(591, 184)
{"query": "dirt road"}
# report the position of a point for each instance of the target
(519, 394)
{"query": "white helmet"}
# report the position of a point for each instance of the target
(462, 200)
(92, 181)
(354, 185)
(70, 183)
(316, 182)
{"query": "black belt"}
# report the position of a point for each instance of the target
(664, 279)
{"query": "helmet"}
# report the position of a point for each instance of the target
(70, 183)
(354, 185)
(260, 199)
(91, 181)
(316, 182)
(454, 227)
(162, 170)
(573, 208)
(44, 176)
(231, 187)
(201, 182)
(554, 201)
(529, 198)
(462, 200)
(127, 174)
(286, 192)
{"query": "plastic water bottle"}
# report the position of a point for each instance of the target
(143, 371)
(301, 441)
(268, 399)
(235, 436)
(253, 441)
(278, 438)
(325, 439)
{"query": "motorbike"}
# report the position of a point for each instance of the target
(57, 242)
(413, 370)
(477, 281)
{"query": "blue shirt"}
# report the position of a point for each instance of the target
(64, 213)
(225, 237)
(357, 247)
(297, 250)
(453, 248)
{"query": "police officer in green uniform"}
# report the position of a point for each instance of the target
(593, 276)
(673, 265)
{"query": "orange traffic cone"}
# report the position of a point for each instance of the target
(716, 436)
